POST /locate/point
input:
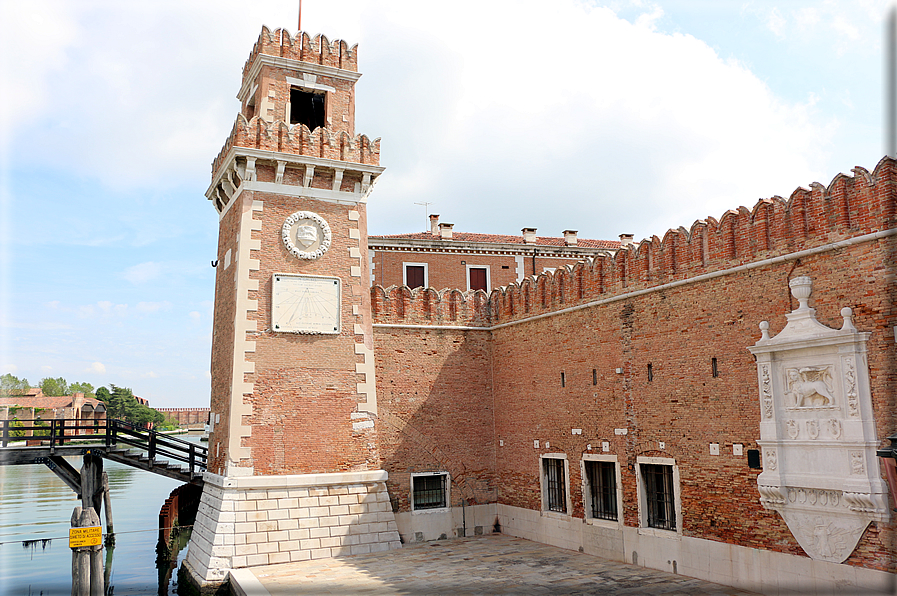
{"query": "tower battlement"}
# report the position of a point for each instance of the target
(304, 48)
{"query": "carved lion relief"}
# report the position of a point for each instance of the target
(817, 430)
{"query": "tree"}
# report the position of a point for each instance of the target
(103, 395)
(85, 388)
(13, 385)
(54, 387)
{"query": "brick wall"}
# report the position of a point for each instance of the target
(675, 303)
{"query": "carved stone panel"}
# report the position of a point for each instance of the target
(817, 430)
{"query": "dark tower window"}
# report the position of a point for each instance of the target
(307, 108)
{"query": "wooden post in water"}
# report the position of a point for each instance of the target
(107, 504)
(87, 562)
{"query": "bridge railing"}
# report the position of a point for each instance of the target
(56, 432)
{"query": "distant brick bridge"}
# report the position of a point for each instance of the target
(197, 417)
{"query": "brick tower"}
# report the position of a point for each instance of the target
(293, 463)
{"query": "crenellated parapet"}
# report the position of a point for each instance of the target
(297, 139)
(848, 207)
(302, 47)
(426, 306)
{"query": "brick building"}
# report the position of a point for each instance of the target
(443, 258)
(196, 417)
(707, 403)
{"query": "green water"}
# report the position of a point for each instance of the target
(36, 506)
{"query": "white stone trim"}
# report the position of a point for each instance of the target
(642, 498)
(587, 489)
(426, 267)
(448, 486)
(747, 568)
(242, 346)
(543, 482)
(295, 480)
(368, 387)
(243, 582)
(294, 82)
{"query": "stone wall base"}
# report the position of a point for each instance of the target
(757, 570)
(263, 520)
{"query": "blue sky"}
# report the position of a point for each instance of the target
(605, 117)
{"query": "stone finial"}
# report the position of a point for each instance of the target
(847, 313)
(764, 330)
(801, 288)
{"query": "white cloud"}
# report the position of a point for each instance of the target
(152, 307)
(195, 316)
(46, 368)
(775, 22)
(96, 368)
(149, 375)
(143, 273)
(10, 368)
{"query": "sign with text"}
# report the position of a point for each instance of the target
(92, 536)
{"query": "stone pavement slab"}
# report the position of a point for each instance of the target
(495, 564)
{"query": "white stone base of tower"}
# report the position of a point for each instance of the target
(262, 520)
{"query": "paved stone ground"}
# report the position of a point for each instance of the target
(495, 564)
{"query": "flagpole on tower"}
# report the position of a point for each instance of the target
(300, 15)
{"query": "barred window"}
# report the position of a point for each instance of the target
(659, 496)
(555, 484)
(428, 492)
(602, 478)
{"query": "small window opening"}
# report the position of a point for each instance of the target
(714, 369)
(428, 492)
(307, 108)
(753, 458)
(602, 478)
(650, 373)
(659, 494)
(555, 484)
(505, 267)
(563, 380)
(594, 376)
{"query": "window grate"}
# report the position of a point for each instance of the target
(428, 492)
(556, 484)
(659, 495)
(602, 476)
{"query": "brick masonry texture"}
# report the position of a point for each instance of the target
(449, 397)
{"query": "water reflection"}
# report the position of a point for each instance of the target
(35, 509)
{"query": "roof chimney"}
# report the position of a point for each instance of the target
(445, 230)
(570, 237)
(529, 235)
(434, 224)
(626, 240)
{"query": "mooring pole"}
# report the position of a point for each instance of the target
(87, 562)
(107, 504)
(92, 482)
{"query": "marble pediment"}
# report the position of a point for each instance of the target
(817, 430)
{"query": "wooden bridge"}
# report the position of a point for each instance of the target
(49, 441)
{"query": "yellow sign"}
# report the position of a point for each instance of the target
(85, 536)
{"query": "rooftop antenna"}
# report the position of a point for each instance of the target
(891, 82)
(426, 209)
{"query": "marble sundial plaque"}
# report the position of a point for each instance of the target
(305, 304)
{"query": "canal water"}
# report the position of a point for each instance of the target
(35, 513)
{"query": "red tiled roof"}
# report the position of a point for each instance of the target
(502, 239)
(44, 402)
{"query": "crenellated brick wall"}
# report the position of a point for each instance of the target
(465, 376)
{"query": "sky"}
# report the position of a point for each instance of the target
(606, 117)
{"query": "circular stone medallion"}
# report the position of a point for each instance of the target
(306, 235)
